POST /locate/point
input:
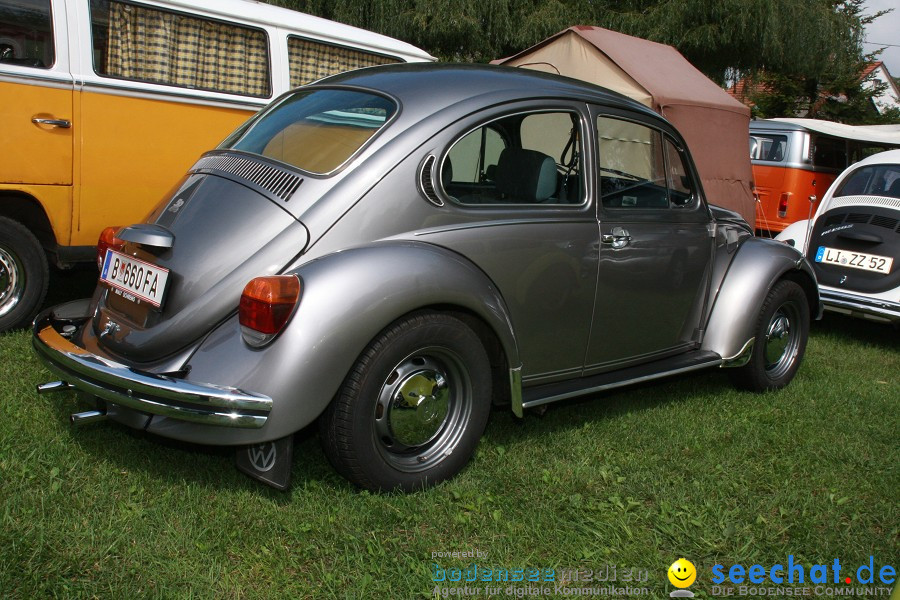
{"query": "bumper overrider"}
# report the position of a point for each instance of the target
(883, 310)
(122, 385)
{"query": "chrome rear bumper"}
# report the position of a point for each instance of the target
(120, 384)
(883, 310)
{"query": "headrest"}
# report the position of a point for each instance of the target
(526, 175)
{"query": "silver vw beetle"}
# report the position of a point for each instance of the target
(392, 251)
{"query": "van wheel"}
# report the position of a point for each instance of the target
(23, 275)
(413, 408)
(782, 330)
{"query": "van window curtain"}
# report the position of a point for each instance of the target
(311, 60)
(175, 49)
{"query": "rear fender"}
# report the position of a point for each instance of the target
(759, 265)
(347, 298)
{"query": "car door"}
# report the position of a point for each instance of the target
(518, 198)
(655, 244)
(37, 90)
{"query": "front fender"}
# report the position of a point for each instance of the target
(347, 298)
(758, 265)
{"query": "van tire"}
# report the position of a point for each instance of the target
(24, 274)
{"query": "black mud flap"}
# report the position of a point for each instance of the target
(269, 462)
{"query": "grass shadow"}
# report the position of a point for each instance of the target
(858, 331)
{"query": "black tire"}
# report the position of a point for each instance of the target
(380, 443)
(23, 275)
(782, 330)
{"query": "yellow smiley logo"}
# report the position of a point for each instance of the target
(682, 573)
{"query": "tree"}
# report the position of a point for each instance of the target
(799, 46)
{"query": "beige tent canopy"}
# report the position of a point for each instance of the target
(715, 125)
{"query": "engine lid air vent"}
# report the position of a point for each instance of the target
(265, 177)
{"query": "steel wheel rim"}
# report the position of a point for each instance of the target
(11, 282)
(422, 409)
(782, 340)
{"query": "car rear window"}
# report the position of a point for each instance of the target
(875, 180)
(314, 130)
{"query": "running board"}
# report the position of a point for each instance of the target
(553, 392)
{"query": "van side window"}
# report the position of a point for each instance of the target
(141, 43)
(830, 153)
(311, 60)
(766, 146)
(26, 34)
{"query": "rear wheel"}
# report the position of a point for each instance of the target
(412, 410)
(782, 329)
(23, 274)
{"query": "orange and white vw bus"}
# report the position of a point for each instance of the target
(796, 160)
(104, 104)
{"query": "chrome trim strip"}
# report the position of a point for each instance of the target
(515, 391)
(247, 103)
(618, 384)
(157, 394)
(44, 79)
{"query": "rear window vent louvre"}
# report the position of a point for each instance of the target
(425, 182)
(834, 220)
(278, 182)
(882, 221)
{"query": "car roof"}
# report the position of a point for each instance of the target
(880, 158)
(445, 84)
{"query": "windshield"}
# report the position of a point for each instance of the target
(316, 131)
(875, 180)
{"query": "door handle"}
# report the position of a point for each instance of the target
(619, 238)
(62, 123)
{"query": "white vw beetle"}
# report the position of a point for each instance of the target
(853, 241)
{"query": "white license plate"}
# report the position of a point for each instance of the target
(134, 279)
(856, 260)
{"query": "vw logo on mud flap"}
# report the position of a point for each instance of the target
(262, 456)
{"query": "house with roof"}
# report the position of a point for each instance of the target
(877, 73)
(874, 74)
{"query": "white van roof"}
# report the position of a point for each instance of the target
(302, 23)
(883, 134)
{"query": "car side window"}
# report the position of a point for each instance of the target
(26, 34)
(530, 158)
(681, 186)
(144, 43)
(640, 168)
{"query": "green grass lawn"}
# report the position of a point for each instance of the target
(685, 467)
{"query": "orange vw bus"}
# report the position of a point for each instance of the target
(796, 160)
(104, 104)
